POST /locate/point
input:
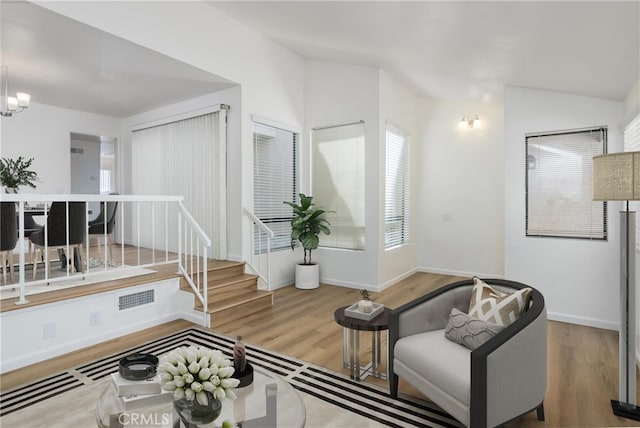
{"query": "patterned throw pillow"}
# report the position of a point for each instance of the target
(469, 331)
(489, 304)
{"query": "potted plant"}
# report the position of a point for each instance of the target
(16, 173)
(306, 225)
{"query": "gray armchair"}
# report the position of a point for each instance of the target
(500, 380)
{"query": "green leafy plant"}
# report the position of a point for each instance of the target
(307, 224)
(15, 173)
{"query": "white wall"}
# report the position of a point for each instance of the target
(271, 76)
(631, 110)
(579, 278)
(337, 94)
(632, 102)
(398, 106)
(44, 133)
(460, 189)
(23, 330)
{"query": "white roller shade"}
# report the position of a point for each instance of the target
(559, 184)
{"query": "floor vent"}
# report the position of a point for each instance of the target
(132, 300)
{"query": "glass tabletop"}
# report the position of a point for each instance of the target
(269, 402)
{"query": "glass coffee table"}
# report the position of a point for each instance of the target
(269, 402)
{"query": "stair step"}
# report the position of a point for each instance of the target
(225, 285)
(237, 310)
(231, 292)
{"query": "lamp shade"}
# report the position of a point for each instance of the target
(616, 177)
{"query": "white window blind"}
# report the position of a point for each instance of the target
(275, 180)
(559, 184)
(632, 144)
(337, 182)
(397, 188)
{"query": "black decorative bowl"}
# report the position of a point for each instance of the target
(247, 376)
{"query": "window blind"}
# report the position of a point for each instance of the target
(337, 182)
(397, 188)
(559, 184)
(275, 180)
(632, 144)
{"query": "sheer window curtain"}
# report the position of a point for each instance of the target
(337, 182)
(187, 158)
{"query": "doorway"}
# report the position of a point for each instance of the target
(93, 166)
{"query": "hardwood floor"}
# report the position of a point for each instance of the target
(582, 373)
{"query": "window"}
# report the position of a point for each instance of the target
(337, 182)
(558, 184)
(275, 180)
(397, 188)
(105, 181)
(632, 144)
(183, 155)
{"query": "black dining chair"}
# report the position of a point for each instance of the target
(8, 237)
(104, 224)
(56, 233)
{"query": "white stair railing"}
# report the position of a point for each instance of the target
(193, 267)
(258, 231)
(158, 223)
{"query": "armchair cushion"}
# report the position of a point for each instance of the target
(489, 304)
(469, 331)
(447, 363)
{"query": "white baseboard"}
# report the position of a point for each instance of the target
(589, 322)
(349, 284)
(458, 272)
(397, 279)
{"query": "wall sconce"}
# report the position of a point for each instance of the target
(465, 122)
(10, 105)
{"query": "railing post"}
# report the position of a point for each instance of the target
(21, 300)
(179, 239)
(205, 294)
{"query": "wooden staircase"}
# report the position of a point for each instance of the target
(231, 292)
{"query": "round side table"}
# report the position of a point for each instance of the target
(351, 343)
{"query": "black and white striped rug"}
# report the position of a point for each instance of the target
(367, 400)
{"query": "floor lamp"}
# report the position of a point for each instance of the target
(616, 177)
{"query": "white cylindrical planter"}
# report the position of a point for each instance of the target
(307, 276)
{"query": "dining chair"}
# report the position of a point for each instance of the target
(102, 226)
(56, 228)
(8, 237)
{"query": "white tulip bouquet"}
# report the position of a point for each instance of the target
(191, 372)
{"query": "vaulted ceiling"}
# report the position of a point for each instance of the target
(466, 50)
(69, 64)
(451, 50)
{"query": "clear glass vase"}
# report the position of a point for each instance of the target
(192, 413)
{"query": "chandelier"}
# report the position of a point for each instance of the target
(10, 104)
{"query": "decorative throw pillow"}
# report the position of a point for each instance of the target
(469, 331)
(489, 304)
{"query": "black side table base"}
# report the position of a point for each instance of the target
(625, 410)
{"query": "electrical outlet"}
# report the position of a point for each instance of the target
(95, 318)
(49, 330)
